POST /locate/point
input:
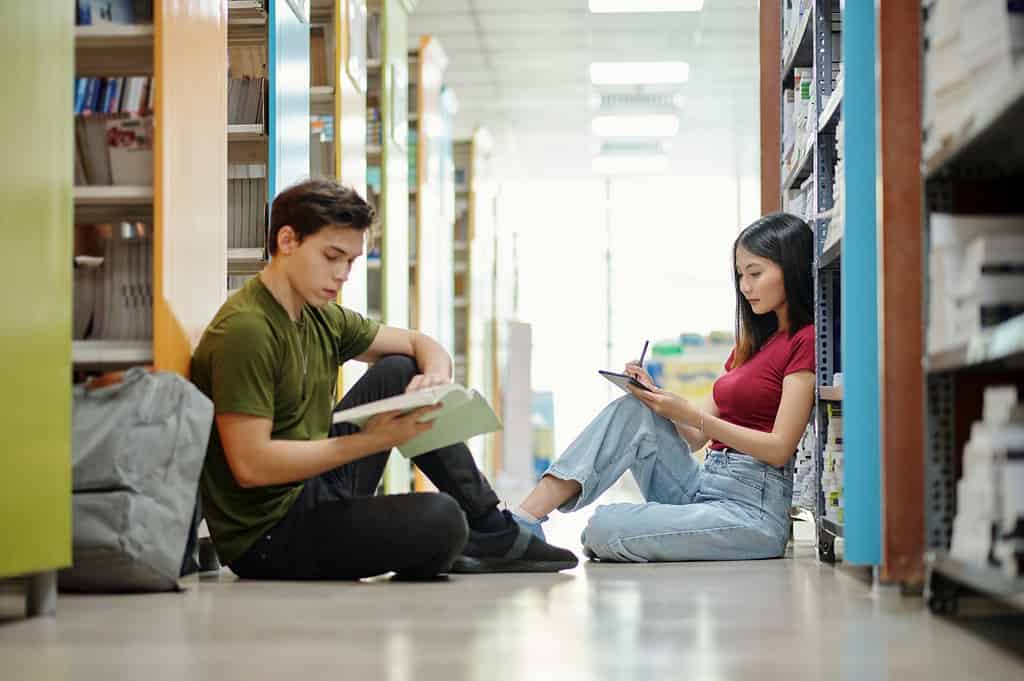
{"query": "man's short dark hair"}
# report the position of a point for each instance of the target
(309, 206)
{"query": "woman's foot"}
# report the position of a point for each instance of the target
(534, 525)
(514, 549)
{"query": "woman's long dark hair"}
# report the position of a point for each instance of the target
(787, 241)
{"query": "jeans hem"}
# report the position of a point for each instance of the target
(576, 503)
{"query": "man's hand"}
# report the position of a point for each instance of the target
(423, 381)
(394, 429)
(669, 405)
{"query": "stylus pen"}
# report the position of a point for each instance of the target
(642, 353)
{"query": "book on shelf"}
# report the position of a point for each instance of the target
(247, 205)
(974, 56)
(114, 151)
(116, 95)
(96, 12)
(975, 269)
(321, 151)
(318, 62)
(247, 61)
(464, 413)
(113, 292)
(246, 101)
(373, 25)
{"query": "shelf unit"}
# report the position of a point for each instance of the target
(338, 149)
(266, 39)
(387, 180)
(948, 577)
(432, 196)
(810, 45)
(187, 260)
(973, 163)
(106, 353)
(475, 256)
(36, 193)
(178, 204)
(248, 143)
(432, 201)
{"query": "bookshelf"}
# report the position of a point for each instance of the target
(813, 182)
(338, 85)
(388, 179)
(160, 187)
(266, 38)
(431, 200)
(36, 196)
(166, 188)
(475, 265)
(971, 165)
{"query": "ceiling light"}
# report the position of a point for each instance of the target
(651, 125)
(622, 164)
(639, 73)
(617, 6)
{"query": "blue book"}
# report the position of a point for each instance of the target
(81, 84)
(113, 95)
(92, 85)
(110, 11)
(84, 12)
(101, 94)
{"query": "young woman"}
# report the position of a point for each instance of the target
(736, 505)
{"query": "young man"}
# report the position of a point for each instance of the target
(288, 495)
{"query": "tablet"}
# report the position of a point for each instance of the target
(622, 380)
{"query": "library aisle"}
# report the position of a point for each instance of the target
(795, 619)
(544, 188)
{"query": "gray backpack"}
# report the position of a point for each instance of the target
(138, 447)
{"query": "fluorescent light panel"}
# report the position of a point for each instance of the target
(639, 73)
(622, 6)
(650, 125)
(630, 164)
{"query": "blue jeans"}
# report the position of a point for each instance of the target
(733, 507)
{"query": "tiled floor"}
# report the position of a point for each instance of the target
(787, 619)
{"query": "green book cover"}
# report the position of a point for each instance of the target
(464, 414)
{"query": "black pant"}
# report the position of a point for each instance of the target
(338, 529)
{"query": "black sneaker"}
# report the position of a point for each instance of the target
(528, 553)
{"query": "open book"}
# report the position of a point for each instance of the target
(464, 414)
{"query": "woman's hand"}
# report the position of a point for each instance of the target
(668, 405)
(636, 371)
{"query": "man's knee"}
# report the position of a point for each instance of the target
(402, 367)
(443, 521)
(392, 373)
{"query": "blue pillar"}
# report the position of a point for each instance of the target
(288, 112)
(861, 433)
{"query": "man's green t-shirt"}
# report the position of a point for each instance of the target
(253, 359)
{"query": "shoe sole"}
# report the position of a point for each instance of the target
(466, 565)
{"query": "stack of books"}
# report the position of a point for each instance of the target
(988, 529)
(247, 206)
(374, 127)
(799, 118)
(832, 465)
(246, 101)
(128, 95)
(975, 54)
(805, 484)
(113, 150)
(976, 275)
(92, 12)
(792, 20)
(373, 36)
(113, 292)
